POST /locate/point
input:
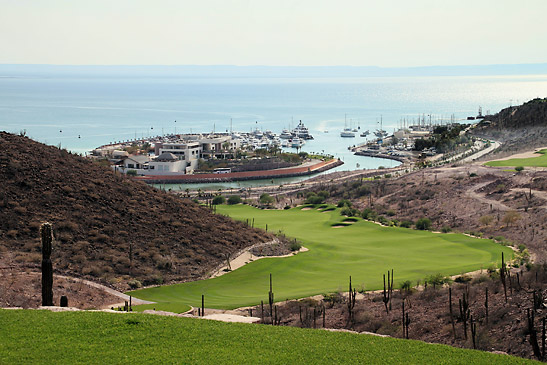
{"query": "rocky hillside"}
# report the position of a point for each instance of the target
(106, 226)
(530, 114)
(518, 127)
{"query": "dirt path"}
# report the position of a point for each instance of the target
(111, 291)
(472, 193)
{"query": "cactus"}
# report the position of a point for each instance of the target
(351, 302)
(387, 292)
(473, 332)
(47, 266)
(503, 276)
(271, 300)
(465, 312)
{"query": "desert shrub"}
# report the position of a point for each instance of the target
(131, 172)
(234, 199)
(472, 174)
(349, 212)
(295, 246)
(423, 224)
(480, 279)
(437, 279)
(390, 213)
(406, 224)
(463, 279)
(344, 203)
(287, 207)
(369, 214)
(219, 199)
(324, 194)
(383, 220)
(333, 298)
(519, 168)
(266, 199)
(405, 285)
(446, 229)
(134, 284)
(314, 199)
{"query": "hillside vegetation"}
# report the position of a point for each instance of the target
(98, 338)
(106, 226)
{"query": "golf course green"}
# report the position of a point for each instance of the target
(540, 161)
(362, 249)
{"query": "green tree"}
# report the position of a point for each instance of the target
(219, 199)
(234, 199)
(266, 199)
(423, 224)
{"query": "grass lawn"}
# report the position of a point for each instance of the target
(540, 161)
(44, 337)
(176, 307)
(362, 249)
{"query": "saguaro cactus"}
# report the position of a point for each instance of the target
(47, 266)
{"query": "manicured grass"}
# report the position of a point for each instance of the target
(362, 249)
(176, 307)
(43, 337)
(540, 161)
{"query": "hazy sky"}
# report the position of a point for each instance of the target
(273, 32)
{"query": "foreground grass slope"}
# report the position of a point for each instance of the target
(85, 337)
(363, 250)
(540, 161)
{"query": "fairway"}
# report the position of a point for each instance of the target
(540, 161)
(364, 250)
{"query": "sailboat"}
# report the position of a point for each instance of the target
(347, 132)
(380, 133)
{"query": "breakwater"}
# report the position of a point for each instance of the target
(318, 167)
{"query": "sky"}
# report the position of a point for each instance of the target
(389, 33)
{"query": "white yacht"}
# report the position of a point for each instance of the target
(301, 131)
(285, 134)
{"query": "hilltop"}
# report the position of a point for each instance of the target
(101, 218)
(522, 127)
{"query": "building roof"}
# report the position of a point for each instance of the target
(139, 158)
(167, 156)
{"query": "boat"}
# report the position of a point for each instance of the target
(346, 132)
(380, 133)
(365, 133)
(301, 131)
(285, 134)
(297, 142)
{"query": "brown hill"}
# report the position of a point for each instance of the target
(101, 218)
(530, 114)
(522, 127)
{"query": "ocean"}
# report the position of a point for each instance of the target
(83, 110)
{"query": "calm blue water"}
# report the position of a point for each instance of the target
(103, 109)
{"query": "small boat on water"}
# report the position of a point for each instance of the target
(347, 132)
(297, 142)
(365, 133)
